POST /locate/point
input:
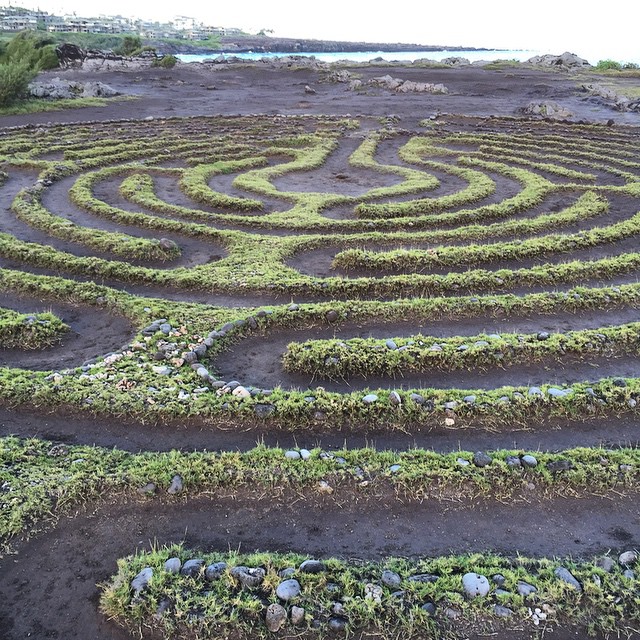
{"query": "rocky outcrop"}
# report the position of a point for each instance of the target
(609, 97)
(404, 86)
(564, 61)
(57, 89)
(547, 109)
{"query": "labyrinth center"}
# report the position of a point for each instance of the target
(319, 276)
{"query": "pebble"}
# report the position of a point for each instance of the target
(275, 617)
(370, 398)
(175, 486)
(297, 615)
(312, 566)
(628, 557)
(499, 579)
(501, 611)
(629, 574)
(394, 398)
(241, 392)
(293, 307)
(172, 565)
(215, 570)
(514, 462)
(535, 391)
(292, 455)
(529, 461)
(565, 575)
(475, 585)
(394, 468)
(470, 399)
(462, 462)
(337, 624)
(373, 592)
(332, 315)
(141, 581)
(429, 608)
(390, 344)
(417, 398)
(481, 459)
(525, 589)
(192, 568)
(423, 578)
(288, 590)
(305, 454)
(391, 579)
(286, 573)
(543, 335)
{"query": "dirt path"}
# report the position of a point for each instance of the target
(49, 589)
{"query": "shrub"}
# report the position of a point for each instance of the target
(129, 45)
(608, 65)
(166, 62)
(14, 81)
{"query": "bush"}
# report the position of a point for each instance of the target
(35, 50)
(14, 81)
(166, 62)
(608, 65)
(129, 45)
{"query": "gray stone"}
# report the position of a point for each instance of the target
(529, 461)
(390, 344)
(628, 557)
(562, 573)
(462, 462)
(429, 608)
(332, 316)
(470, 399)
(475, 585)
(312, 566)
(172, 565)
(555, 466)
(297, 615)
(525, 589)
(337, 624)
(292, 455)
(501, 611)
(543, 335)
(417, 398)
(391, 579)
(263, 410)
(176, 485)
(629, 574)
(192, 567)
(275, 617)
(214, 571)
(481, 459)
(148, 489)
(535, 391)
(141, 581)
(514, 462)
(305, 454)
(394, 398)
(288, 590)
(370, 398)
(394, 468)
(605, 563)
(423, 578)
(499, 579)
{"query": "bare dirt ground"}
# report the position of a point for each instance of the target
(48, 589)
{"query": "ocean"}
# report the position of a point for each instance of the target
(407, 56)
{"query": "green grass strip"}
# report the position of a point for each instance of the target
(29, 331)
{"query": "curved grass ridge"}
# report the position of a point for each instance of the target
(350, 594)
(419, 353)
(29, 331)
(42, 479)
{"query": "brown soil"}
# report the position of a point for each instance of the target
(48, 589)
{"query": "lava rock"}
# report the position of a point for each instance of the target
(555, 466)
(481, 459)
(192, 568)
(605, 563)
(248, 577)
(275, 617)
(391, 579)
(214, 571)
(514, 462)
(297, 615)
(501, 611)
(332, 316)
(337, 624)
(429, 607)
(628, 557)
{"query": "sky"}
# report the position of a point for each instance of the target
(546, 25)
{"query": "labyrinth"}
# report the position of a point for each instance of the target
(440, 324)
